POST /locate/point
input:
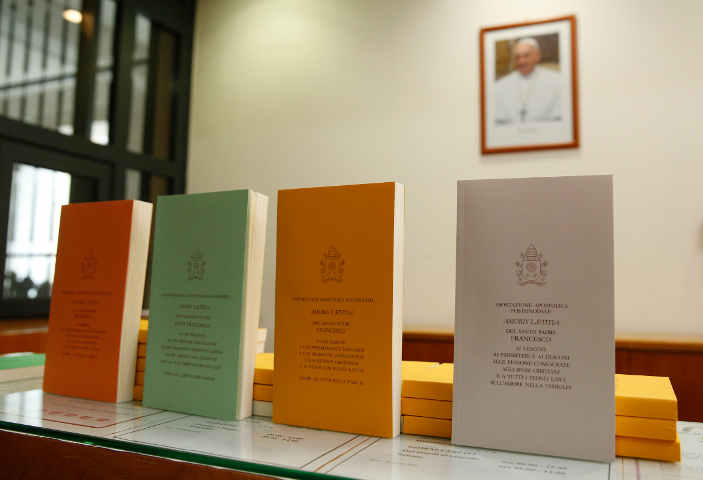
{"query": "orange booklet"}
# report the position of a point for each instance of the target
(96, 300)
(338, 308)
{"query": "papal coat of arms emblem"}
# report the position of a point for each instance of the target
(196, 266)
(531, 268)
(89, 265)
(332, 266)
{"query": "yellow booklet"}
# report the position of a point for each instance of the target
(651, 428)
(430, 383)
(422, 407)
(650, 449)
(645, 396)
(143, 330)
(432, 427)
(263, 371)
(339, 284)
(263, 393)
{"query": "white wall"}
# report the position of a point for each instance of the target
(291, 93)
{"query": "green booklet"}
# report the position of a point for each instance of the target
(18, 366)
(205, 301)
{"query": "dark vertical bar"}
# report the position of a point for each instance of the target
(5, 189)
(103, 189)
(146, 189)
(151, 87)
(64, 46)
(165, 101)
(121, 88)
(119, 179)
(2, 4)
(27, 51)
(84, 97)
(44, 59)
(10, 38)
(11, 215)
(10, 49)
(182, 100)
(53, 207)
(33, 215)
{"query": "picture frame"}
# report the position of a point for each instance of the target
(529, 86)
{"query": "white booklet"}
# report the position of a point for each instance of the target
(534, 335)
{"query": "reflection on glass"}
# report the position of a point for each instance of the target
(103, 77)
(38, 62)
(33, 227)
(140, 70)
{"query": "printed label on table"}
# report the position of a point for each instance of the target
(37, 405)
(253, 439)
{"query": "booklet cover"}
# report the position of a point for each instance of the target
(205, 302)
(339, 284)
(96, 300)
(534, 335)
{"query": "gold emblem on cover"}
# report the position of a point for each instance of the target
(196, 266)
(89, 266)
(332, 266)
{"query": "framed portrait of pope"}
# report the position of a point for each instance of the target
(529, 95)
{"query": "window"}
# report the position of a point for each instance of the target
(36, 197)
(93, 106)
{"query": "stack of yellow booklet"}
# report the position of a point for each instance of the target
(261, 357)
(646, 411)
(141, 360)
(426, 398)
(263, 385)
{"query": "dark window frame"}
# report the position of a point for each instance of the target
(105, 164)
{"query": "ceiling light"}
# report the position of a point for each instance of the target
(72, 15)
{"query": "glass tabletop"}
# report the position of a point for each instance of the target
(258, 445)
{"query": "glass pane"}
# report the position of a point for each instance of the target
(99, 132)
(133, 185)
(158, 186)
(108, 8)
(38, 62)
(100, 128)
(140, 69)
(83, 189)
(163, 96)
(33, 227)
